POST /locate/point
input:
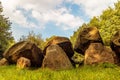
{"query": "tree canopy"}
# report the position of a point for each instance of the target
(5, 34)
(75, 34)
(34, 38)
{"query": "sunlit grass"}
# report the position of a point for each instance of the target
(101, 72)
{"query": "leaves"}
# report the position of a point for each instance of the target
(6, 38)
(32, 37)
(107, 23)
(75, 34)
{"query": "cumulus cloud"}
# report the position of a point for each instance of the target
(15, 15)
(61, 17)
(94, 7)
(45, 11)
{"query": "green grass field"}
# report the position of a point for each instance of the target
(101, 72)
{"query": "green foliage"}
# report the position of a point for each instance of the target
(34, 38)
(107, 65)
(5, 34)
(82, 73)
(94, 22)
(48, 39)
(78, 59)
(107, 23)
(73, 38)
(1, 8)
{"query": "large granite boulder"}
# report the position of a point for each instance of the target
(23, 62)
(98, 53)
(85, 37)
(65, 44)
(24, 49)
(4, 62)
(56, 58)
(115, 44)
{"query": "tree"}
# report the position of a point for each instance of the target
(6, 38)
(107, 23)
(32, 37)
(1, 8)
(75, 34)
(94, 22)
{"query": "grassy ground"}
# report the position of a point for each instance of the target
(101, 72)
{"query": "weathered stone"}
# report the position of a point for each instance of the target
(27, 50)
(115, 45)
(4, 62)
(65, 44)
(98, 53)
(56, 58)
(23, 62)
(85, 37)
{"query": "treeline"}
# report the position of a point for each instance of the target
(107, 23)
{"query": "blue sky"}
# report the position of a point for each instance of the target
(51, 17)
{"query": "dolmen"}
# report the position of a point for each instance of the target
(85, 37)
(90, 44)
(28, 51)
(58, 54)
(115, 45)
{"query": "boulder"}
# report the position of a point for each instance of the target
(23, 62)
(115, 45)
(65, 44)
(85, 37)
(24, 49)
(56, 58)
(4, 62)
(98, 53)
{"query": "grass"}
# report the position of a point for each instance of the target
(101, 72)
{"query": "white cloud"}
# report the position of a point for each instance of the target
(61, 17)
(94, 7)
(16, 16)
(43, 11)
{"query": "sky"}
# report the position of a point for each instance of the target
(51, 17)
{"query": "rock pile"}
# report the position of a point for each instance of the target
(85, 37)
(24, 49)
(58, 52)
(56, 55)
(90, 44)
(65, 44)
